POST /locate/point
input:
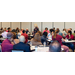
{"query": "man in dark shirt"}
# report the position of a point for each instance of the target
(21, 45)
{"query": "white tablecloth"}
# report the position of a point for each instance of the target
(67, 41)
(2, 38)
(40, 49)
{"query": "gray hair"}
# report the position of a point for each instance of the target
(9, 35)
(22, 38)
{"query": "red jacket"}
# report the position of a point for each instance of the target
(26, 37)
(72, 37)
(58, 38)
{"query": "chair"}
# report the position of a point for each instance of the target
(17, 51)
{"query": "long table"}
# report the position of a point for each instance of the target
(71, 41)
(42, 49)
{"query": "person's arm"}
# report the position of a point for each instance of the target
(72, 37)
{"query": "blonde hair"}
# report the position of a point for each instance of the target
(35, 25)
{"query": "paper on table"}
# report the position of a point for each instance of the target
(32, 47)
(43, 49)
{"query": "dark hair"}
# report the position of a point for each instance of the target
(8, 28)
(55, 47)
(14, 35)
(1, 28)
(46, 28)
(13, 30)
(23, 31)
(70, 32)
(51, 30)
(74, 31)
(45, 34)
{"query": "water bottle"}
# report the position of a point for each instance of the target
(44, 44)
(35, 48)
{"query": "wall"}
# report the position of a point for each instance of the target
(41, 25)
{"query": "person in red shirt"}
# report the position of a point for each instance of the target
(70, 37)
(25, 35)
(58, 38)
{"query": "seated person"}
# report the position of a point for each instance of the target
(57, 37)
(27, 31)
(18, 35)
(4, 34)
(21, 31)
(54, 28)
(1, 28)
(6, 45)
(25, 35)
(21, 45)
(44, 38)
(55, 47)
(58, 32)
(70, 37)
(50, 34)
(14, 30)
(46, 30)
(64, 33)
(74, 34)
(17, 30)
(9, 29)
(37, 39)
(15, 39)
(40, 33)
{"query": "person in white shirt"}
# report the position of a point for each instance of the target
(4, 34)
(50, 34)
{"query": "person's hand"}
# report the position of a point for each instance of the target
(63, 39)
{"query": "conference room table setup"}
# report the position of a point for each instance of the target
(41, 48)
(68, 41)
(30, 36)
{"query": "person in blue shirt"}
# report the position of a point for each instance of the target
(44, 38)
(60, 33)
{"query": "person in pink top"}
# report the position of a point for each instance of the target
(58, 38)
(46, 30)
